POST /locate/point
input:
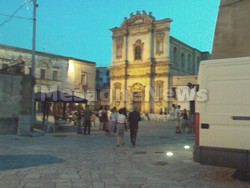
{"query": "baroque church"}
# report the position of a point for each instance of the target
(147, 62)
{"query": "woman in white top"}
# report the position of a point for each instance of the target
(120, 127)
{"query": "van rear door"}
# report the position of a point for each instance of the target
(225, 116)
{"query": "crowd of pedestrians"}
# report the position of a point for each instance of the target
(118, 121)
(114, 123)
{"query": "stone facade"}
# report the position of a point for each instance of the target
(15, 95)
(184, 60)
(232, 36)
(144, 59)
(52, 72)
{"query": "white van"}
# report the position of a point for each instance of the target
(223, 119)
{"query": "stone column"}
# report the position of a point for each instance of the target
(126, 68)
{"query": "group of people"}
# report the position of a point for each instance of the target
(104, 115)
(114, 123)
(87, 115)
(182, 120)
(118, 122)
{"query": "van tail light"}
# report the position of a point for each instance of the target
(197, 129)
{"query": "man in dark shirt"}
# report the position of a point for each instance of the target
(134, 118)
(79, 119)
(87, 120)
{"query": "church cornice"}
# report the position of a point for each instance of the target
(138, 18)
(147, 75)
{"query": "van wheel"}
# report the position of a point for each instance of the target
(241, 175)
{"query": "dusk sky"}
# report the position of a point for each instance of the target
(81, 28)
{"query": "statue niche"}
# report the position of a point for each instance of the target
(159, 37)
(119, 44)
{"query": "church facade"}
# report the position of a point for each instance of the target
(145, 58)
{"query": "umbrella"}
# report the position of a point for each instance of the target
(57, 96)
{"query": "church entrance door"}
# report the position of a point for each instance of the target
(137, 100)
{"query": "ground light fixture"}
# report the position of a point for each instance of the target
(169, 153)
(186, 147)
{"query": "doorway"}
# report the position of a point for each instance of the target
(137, 100)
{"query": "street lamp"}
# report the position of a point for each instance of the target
(33, 65)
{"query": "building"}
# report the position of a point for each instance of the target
(145, 58)
(102, 84)
(52, 72)
(232, 36)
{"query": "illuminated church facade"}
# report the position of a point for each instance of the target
(145, 62)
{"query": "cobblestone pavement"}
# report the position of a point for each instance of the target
(68, 159)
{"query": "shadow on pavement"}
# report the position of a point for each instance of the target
(11, 162)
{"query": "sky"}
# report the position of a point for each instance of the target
(81, 28)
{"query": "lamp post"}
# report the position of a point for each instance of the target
(33, 65)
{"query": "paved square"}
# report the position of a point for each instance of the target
(57, 160)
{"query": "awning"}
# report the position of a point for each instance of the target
(58, 96)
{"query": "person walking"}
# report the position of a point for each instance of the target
(184, 121)
(177, 119)
(133, 119)
(105, 120)
(87, 120)
(100, 118)
(120, 128)
(113, 121)
(79, 119)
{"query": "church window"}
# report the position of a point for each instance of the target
(189, 63)
(157, 46)
(158, 90)
(42, 73)
(182, 61)
(55, 75)
(118, 52)
(137, 53)
(84, 79)
(197, 64)
(117, 92)
(119, 43)
(138, 50)
(175, 55)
